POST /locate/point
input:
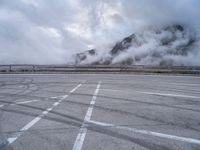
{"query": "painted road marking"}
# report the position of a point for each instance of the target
(146, 132)
(38, 118)
(168, 94)
(159, 94)
(64, 96)
(72, 91)
(18, 103)
(54, 97)
(56, 104)
(185, 84)
(24, 102)
(83, 130)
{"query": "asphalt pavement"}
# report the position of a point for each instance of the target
(99, 112)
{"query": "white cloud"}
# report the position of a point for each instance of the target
(43, 31)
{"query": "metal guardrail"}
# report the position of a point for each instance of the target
(99, 68)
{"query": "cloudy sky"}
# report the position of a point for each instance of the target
(51, 31)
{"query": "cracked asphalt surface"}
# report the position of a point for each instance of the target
(131, 112)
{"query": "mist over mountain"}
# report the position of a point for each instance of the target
(170, 45)
(152, 32)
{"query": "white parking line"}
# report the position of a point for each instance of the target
(168, 94)
(38, 118)
(56, 104)
(18, 103)
(54, 97)
(161, 135)
(64, 96)
(72, 91)
(159, 94)
(185, 84)
(24, 102)
(83, 130)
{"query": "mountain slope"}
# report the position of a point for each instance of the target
(165, 46)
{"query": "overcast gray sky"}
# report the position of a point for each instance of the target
(51, 31)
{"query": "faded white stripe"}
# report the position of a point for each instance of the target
(168, 94)
(146, 132)
(25, 102)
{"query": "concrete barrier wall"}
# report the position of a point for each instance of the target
(98, 69)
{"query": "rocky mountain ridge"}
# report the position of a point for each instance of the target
(150, 47)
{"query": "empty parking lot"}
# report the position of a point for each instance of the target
(99, 112)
